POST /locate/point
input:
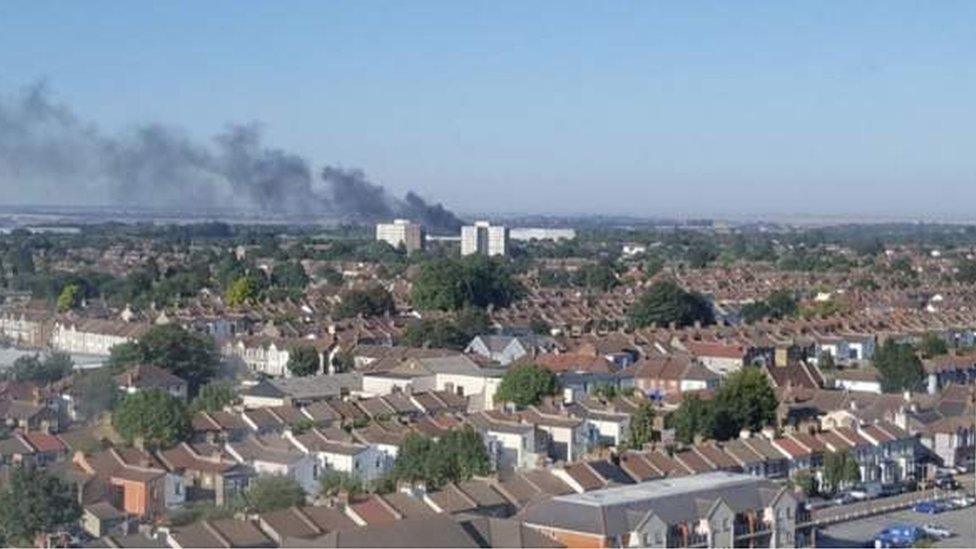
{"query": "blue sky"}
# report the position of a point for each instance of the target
(651, 108)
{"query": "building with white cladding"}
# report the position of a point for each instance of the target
(401, 232)
(484, 238)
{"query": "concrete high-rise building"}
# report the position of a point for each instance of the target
(484, 238)
(401, 231)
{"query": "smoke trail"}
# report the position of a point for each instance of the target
(49, 155)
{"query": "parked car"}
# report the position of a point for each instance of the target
(813, 504)
(844, 498)
(894, 489)
(936, 531)
(929, 507)
(868, 490)
(962, 502)
(898, 535)
(946, 483)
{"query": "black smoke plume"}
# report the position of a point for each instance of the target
(48, 155)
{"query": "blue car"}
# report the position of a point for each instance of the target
(898, 535)
(929, 507)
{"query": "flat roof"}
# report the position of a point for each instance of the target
(661, 488)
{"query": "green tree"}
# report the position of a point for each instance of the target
(700, 254)
(193, 357)
(899, 367)
(214, 396)
(455, 457)
(243, 290)
(932, 345)
(526, 384)
(155, 417)
(373, 300)
(461, 454)
(333, 482)
(70, 298)
(666, 302)
(50, 368)
(32, 502)
(123, 355)
(453, 332)
(411, 461)
(289, 274)
(272, 492)
(642, 426)
(779, 304)
(692, 418)
(94, 392)
(540, 327)
(435, 332)
(653, 265)
(330, 275)
(596, 276)
(840, 469)
(303, 360)
(966, 272)
(472, 281)
(745, 401)
(806, 482)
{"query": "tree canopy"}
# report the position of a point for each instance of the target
(51, 367)
(472, 281)
(373, 300)
(666, 302)
(156, 417)
(693, 417)
(899, 367)
(452, 332)
(272, 492)
(190, 356)
(70, 298)
(744, 401)
(243, 290)
(932, 345)
(526, 384)
(303, 360)
(779, 304)
(642, 426)
(32, 502)
(454, 457)
(839, 469)
(213, 397)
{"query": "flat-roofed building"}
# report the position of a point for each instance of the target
(717, 509)
(484, 238)
(401, 231)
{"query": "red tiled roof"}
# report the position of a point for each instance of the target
(792, 448)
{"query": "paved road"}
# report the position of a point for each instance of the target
(858, 533)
